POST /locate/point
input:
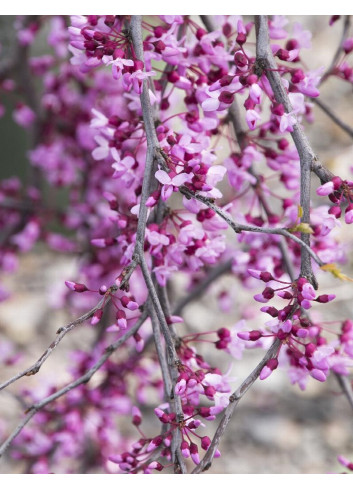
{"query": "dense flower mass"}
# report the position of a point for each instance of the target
(164, 136)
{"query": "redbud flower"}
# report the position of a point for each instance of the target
(97, 316)
(267, 370)
(128, 303)
(75, 286)
(194, 452)
(154, 443)
(185, 449)
(136, 416)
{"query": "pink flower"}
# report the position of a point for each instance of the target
(251, 117)
(171, 184)
(123, 169)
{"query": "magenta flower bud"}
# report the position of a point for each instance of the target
(318, 374)
(240, 59)
(121, 319)
(283, 54)
(136, 416)
(103, 289)
(347, 325)
(185, 450)
(325, 298)
(278, 109)
(226, 80)
(75, 286)
(272, 311)
(194, 452)
(335, 211)
(284, 294)
(241, 38)
(205, 442)
(223, 333)
(209, 391)
(156, 466)
(154, 443)
(97, 316)
(310, 348)
(267, 370)
(297, 76)
(253, 335)
(221, 344)
(128, 303)
(226, 97)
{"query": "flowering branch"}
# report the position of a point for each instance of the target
(266, 63)
(238, 228)
(234, 399)
(32, 410)
(33, 369)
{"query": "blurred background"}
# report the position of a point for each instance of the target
(276, 428)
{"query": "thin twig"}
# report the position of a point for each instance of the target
(339, 49)
(32, 410)
(33, 369)
(238, 228)
(325, 108)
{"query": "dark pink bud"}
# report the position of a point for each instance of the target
(136, 416)
(278, 109)
(223, 333)
(297, 76)
(335, 211)
(194, 452)
(200, 33)
(226, 97)
(272, 311)
(205, 442)
(97, 316)
(283, 54)
(240, 59)
(173, 77)
(210, 391)
(75, 286)
(325, 298)
(337, 182)
(310, 348)
(226, 80)
(282, 144)
(241, 38)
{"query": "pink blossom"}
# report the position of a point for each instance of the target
(171, 184)
(251, 117)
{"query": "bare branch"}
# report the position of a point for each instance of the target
(325, 108)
